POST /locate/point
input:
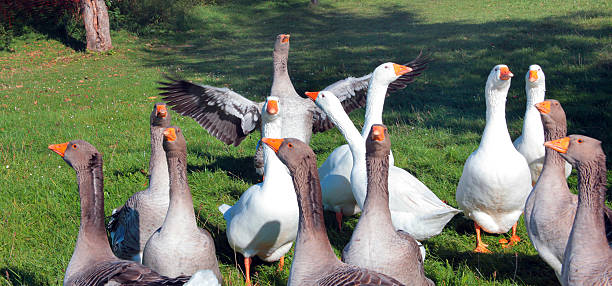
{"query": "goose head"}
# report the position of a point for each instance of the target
(77, 153)
(378, 142)
(271, 109)
(388, 72)
(174, 141)
(326, 100)
(577, 149)
(552, 113)
(282, 43)
(535, 77)
(291, 151)
(499, 77)
(160, 116)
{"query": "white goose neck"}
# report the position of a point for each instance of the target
(355, 142)
(496, 130)
(273, 167)
(532, 126)
(375, 102)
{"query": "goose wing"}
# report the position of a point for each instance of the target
(353, 275)
(121, 272)
(352, 91)
(225, 114)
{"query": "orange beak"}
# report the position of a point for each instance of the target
(170, 134)
(60, 149)
(313, 95)
(162, 111)
(543, 107)
(378, 133)
(504, 73)
(285, 38)
(559, 145)
(272, 107)
(400, 69)
(533, 75)
(273, 143)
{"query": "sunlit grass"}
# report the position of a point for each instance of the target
(52, 94)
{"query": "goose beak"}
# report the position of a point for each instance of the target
(285, 38)
(543, 107)
(505, 74)
(400, 69)
(312, 94)
(170, 134)
(559, 145)
(378, 133)
(60, 149)
(273, 143)
(162, 111)
(272, 107)
(533, 75)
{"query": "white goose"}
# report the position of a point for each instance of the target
(496, 180)
(264, 221)
(414, 208)
(531, 142)
(335, 172)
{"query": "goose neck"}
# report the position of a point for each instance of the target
(376, 204)
(312, 234)
(375, 102)
(344, 124)
(158, 166)
(496, 130)
(92, 232)
(180, 216)
(588, 227)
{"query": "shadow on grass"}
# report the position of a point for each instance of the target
(527, 269)
(230, 49)
(18, 276)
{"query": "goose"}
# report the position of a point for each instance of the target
(93, 262)
(314, 262)
(131, 225)
(375, 244)
(230, 117)
(496, 179)
(264, 221)
(179, 246)
(530, 143)
(414, 208)
(551, 207)
(588, 257)
(335, 172)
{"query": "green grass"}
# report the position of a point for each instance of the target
(51, 94)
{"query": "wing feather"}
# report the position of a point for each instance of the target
(225, 114)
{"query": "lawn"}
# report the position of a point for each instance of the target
(50, 93)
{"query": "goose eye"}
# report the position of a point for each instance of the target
(74, 146)
(386, 67)
(579, 141)
(290, 145)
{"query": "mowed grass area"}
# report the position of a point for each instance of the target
(51, 94)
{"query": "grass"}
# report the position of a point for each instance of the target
(51, 94)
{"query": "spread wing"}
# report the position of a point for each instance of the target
(225, 114)
(352, 275)
(352, 91)
(121, 272)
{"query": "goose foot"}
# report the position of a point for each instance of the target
(339, 220)
(480, 246)
(514, 239)
(281, 263)
(247, 270)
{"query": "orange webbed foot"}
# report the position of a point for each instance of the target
(482, 248)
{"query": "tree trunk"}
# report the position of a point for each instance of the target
(314, 2)
(97, 30)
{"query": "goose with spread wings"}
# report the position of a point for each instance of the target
(230, 117)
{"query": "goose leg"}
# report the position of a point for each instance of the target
(281, 263)
(247, 270)
(514, 239)
(339, 220)
(480, 246)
